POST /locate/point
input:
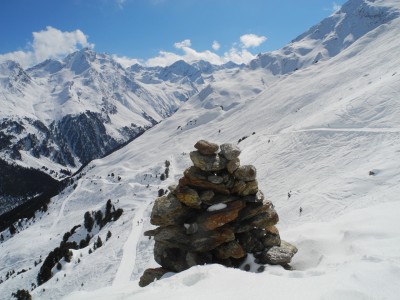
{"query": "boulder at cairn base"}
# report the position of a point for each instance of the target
(216, 214)
(151, 275)
(278, 255)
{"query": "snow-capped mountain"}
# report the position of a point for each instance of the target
(328, 38)
(327, 133)
(65, 113)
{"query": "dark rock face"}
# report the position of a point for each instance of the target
(216, 214)
(73, 140)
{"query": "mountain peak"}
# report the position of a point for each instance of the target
(329, 37)
(8, 66)
(81, 60)
(13, 76)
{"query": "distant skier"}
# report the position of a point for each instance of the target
(300, 210)
(289, 195)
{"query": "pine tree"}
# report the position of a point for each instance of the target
(98, 217)
(88, 221)
(108, 235)
(167, 172)
(83, 244)
(99, 242)
(12, 229)
(22, 295)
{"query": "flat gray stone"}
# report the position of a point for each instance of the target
(277, 255)
(246, 173)
(230, 151)
(208, 162)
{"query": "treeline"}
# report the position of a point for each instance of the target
(16, 181)
(64, 249)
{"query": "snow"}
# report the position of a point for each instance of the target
(216, 207)
(318, 132)
(353, 257)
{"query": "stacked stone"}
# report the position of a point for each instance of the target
(216, 214)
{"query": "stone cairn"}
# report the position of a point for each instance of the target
(216, 214)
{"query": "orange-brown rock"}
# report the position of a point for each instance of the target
(195, 178)
(206, 147)
(188, 196)
(218, 218)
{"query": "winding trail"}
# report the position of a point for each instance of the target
(128, 260)
(344, 129)
(61, 213)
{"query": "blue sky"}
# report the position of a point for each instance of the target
(154, 32)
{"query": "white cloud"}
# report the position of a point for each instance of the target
(120, 3)
(238, 56)
(252, 40)
(335, 7)
(216, 45)
(183, 44)
(165, 58)
(48, 43)
(126, 61)
(53, 43)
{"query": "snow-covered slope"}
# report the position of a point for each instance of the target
(328, 38)
(316, 133)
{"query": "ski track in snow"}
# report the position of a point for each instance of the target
(61, 213)
(344, 129)
(128, 260)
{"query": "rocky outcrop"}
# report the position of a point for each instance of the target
(216, 214)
